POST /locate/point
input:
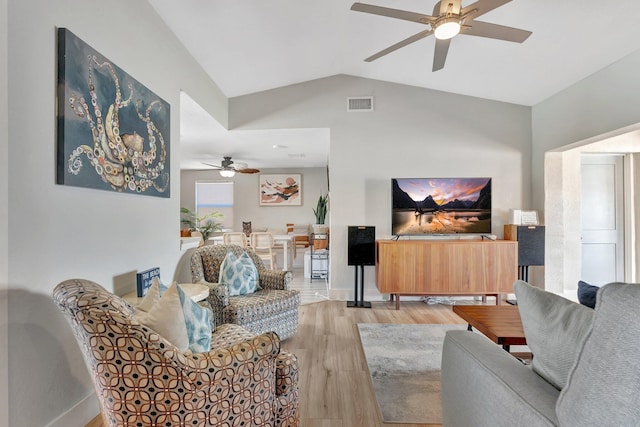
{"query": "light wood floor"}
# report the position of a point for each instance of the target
(335, 387)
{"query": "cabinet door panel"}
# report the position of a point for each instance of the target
(446, 267)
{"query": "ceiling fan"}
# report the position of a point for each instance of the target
(449, 19)
(228, 168)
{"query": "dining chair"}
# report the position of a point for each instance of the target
(235, 238)
(246, 228)
(300, 235)
(262, 244)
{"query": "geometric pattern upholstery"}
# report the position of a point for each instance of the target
(272, 308)
(287, 374)
(143, 380)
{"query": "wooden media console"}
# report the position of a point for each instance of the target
(446, 267)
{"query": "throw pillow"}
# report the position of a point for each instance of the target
(179, 320)
(239, 274)
(555, 328)
(604, 385)
(587, 294)
(153, 294)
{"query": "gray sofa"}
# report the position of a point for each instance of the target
(585, 370)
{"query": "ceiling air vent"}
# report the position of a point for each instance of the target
(360, 103)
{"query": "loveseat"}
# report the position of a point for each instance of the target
(274, 307)
(141, 379)
(585, 369)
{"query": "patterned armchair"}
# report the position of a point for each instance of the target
(273, 308)
(142, 379)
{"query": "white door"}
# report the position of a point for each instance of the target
(602, 212)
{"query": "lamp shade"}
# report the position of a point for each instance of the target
(227, 173)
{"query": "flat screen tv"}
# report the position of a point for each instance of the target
(423, 206)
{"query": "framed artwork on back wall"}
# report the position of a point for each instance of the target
(281, 190)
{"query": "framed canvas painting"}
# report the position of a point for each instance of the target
(281, 190)
(113, 133)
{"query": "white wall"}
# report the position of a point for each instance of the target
(563, 206)
(602, 106)
(599, 104)
(635, 161)
(4, 219)
(412, 133)
(57, 232)
(246, 193)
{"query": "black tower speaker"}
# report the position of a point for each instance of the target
(530, 245)
(361, 241)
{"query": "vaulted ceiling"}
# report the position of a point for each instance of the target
(254, 45)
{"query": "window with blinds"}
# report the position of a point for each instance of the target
(215, 196)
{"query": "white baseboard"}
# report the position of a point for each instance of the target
(80, 414)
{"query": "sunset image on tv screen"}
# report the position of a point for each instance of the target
(440, 205)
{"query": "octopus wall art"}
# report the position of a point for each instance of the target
(113, 132)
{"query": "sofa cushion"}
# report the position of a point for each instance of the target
(239, 274)
(483, 385)
(179, 320)
(604, 386)
(555, 328)
(587, 294)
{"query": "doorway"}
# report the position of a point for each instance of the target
(602, 218)
(563, 206)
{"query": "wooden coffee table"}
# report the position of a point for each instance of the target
(500, 323)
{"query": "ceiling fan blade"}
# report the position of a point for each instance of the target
(440, 54)
(398, 45)
(481, 7)
(393, 13)
(247, 170)
(495, 31)
(213, 166)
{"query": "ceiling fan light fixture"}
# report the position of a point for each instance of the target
(227, 173)
(447, 28)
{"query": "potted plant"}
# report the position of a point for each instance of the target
(321, 214)
(205, 224)
(321, 209)
(186, 224)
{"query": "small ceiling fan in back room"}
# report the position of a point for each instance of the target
(449, 19)
(228, 167)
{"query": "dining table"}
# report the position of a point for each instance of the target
(286, 241)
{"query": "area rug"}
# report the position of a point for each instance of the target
(404, 364)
